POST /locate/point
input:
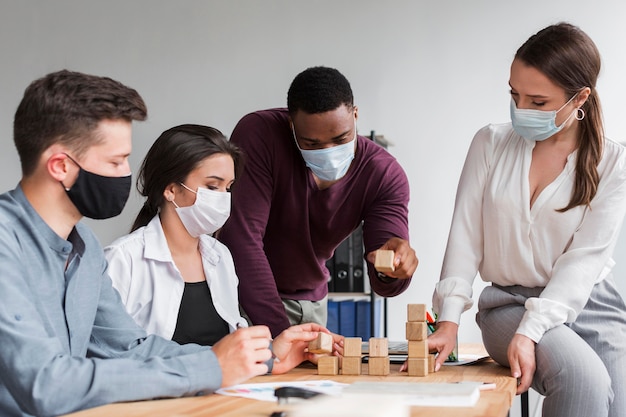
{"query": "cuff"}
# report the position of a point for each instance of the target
(542, 315)
(270, 361)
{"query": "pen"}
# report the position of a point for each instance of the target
(430, 322)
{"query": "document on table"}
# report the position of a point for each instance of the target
(265, 391)
(425, 394)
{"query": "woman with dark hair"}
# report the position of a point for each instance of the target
(539, 208)
(174, 278)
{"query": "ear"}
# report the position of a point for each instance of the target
(582, 97)
(356, 113)
(57, 165)
(169, 194)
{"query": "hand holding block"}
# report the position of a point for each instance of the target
(385, 261)
(323, 344)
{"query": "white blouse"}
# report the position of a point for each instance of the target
(495, 231)
(151, 286)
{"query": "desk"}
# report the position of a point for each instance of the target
(494, 403)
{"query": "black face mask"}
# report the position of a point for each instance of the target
(99, 197)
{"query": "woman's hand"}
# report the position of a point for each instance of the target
(290, 347)
(521, 354)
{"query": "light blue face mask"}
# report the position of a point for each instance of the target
(537, 125)
(329, 164)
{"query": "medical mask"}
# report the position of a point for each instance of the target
(209, 212)
(537, 125)
(96, 196)
(331, 163)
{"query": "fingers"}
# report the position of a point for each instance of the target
(405, 260)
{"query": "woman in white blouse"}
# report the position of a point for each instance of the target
(174, 278)
(539, 207)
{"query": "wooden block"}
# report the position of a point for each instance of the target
(431, 362)
(379, 347)
(416, 330)
(323, 344)
(352, 346)
(417, 366)
(418, 349)
(351, 365)
(328, 365)
(378, 365)
(384, 261)
(416, 312)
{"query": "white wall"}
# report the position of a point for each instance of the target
(426, 74)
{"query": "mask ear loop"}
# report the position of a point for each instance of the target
(580, 114)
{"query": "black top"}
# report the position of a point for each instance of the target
(198, 322)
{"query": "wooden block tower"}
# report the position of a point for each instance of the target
(379, 356)
(351, 362)
(419, 359)
(326, 365)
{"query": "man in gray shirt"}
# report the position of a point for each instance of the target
(66, 341)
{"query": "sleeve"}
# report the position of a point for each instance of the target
(243, 233)
(122, 364)
(464, 252)
(386, 218)
(584, 263)
(119, 270)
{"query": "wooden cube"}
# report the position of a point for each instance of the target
(416, 330)
(416, 312)
(352, 346)
(351, 365)
(431, 362)
(384, 261)
(328, 365)
(417, 366)
(323, 344)
(418, 349)
(379, 365)
(379, 347)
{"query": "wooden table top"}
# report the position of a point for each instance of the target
(492, 403)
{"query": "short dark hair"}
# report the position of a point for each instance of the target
(172, 157)
(65, 107)
(318, 90)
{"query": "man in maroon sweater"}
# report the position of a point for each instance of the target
(309, 180)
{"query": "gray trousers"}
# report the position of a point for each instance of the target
(581, 366)
(305, 311)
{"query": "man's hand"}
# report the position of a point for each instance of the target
(243, 353)
(290, 346)
(521, 354)
(405, 261)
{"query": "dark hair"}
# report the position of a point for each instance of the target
(318, 90)
(65, 107)
(568, 57)
(172, 157)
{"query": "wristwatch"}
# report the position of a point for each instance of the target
(384, 278)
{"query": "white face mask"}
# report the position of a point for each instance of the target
(209, 212)
(537, 125)
(331, 163)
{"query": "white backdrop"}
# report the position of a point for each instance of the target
(426, 74)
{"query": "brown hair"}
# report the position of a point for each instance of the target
(65, 107)
(568, 57)
(172, 157)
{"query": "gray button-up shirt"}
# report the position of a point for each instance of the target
(66, 341)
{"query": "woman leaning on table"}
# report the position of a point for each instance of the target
(174, 278)
(538, 210)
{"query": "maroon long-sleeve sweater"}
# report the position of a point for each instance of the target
(283, 229)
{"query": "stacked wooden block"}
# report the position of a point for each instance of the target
(378, 356)
(419, 361)
(326, 365)
(351, 362)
